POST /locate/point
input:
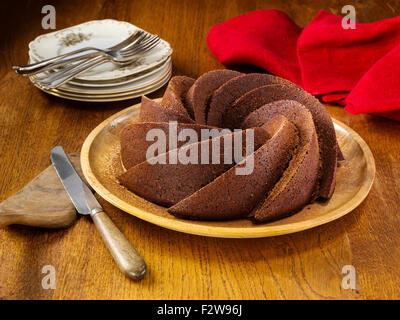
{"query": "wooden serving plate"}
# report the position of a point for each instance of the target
(100, 161)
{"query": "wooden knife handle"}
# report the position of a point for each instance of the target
(124, 254)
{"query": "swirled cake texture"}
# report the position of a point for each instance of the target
(293, 156)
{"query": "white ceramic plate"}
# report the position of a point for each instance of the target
(140, 83)
(101, 34)
(110, 97)
(109, 83)
(119, 81)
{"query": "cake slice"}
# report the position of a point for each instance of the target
(166, 182)
(134, 144)
(152, 111)
(256, 98)
(175, 94)
(233, 89)
(298, 185)
(233, 196)
(198, 95)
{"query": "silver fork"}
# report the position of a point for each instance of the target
(120, 57)
(114, 54)
(61, 60)
(127, 45)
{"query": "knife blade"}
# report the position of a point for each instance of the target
(82, 198)
(124, 254)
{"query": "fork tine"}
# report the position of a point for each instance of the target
(127, 43)
(145, 40)
(139, 46)
(141, 49)
(143, 35)
(149, 46)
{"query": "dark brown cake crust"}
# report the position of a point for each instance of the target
(233, 89)
(152, 111)
(258, 97)
(175, 94)
(200, 92)
(298, 185)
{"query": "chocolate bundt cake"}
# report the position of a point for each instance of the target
(272, 126)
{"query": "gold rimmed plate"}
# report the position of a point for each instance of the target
(109, 97)
(98, 34)
(100, 160)
(134, 84)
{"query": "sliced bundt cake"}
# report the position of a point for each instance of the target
(232, 196)
(293, 158)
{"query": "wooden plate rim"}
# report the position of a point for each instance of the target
(187, 226)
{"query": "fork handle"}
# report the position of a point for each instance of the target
(125, 255)
(59, 63)
(60, 77)
(43, 63)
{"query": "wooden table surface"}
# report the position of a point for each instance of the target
(302, 265)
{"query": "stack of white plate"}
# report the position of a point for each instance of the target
(107, 82)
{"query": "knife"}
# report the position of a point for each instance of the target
(126, 257)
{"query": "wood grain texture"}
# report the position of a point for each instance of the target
(303, 265)
(43, 202)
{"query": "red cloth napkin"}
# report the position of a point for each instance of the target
(334, 97)
(379, 87)
(333, 59)
(265, 38)
(325, 59)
